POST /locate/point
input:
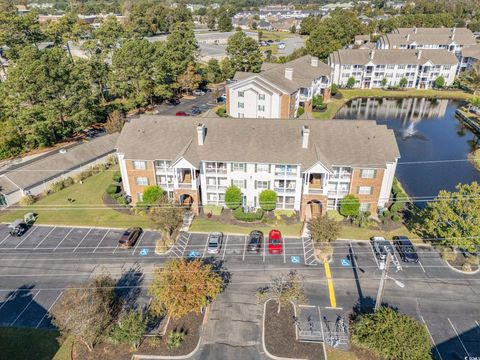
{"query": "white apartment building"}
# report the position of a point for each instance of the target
(311, 165)
(469, 57)
(370, 67)
(278, 90)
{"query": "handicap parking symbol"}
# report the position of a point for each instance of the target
(345, 262)
(144, 252)
(295, 259)
(193, 254)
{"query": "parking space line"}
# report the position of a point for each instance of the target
(420, 263)
(104, 236)
(205, 248)
(63, 239)
(6, 237)
(225, 248)
(46, 236)
(264, 245)
(26, 237)
(284, 250)
(116, 247)
(25, 308)
(374, 256)
(476, 322)
(331, 290)
(458, 337)
(185, 245)
(431, 337)
(88, 232)
(304, 251)
(244, 248)
(138, 242)
(49, 308)
(9, 298)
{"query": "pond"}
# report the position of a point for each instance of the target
(433, 143)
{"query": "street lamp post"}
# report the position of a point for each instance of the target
(383, 280)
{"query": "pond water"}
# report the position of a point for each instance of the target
(433, 143)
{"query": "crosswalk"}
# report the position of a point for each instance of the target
(309, 252)
(178, 249)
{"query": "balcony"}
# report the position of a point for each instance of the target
(334, 193)
(315, 190)
(185, 185)
(284, 191)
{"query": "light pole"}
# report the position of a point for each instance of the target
(383, 280)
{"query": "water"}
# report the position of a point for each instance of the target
(426, 130)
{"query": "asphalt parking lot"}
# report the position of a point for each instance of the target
(296, 251)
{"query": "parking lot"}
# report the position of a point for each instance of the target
(296, 251)
(68, 240)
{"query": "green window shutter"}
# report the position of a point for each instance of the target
(255, 169)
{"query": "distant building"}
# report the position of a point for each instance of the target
(470, 56)
(22, 9)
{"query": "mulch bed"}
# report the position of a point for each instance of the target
(280, 338)
(459, 261)
(112, 204)
(269, 218)
(189, 324)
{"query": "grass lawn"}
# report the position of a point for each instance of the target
(340, 355)
(210, 225)
(87, 210)
(274, 35)
(350, 232)
(23, 343)
(273, 47)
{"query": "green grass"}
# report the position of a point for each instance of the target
(65, 351)
(340, 355)
(211, 225)
(274, 35)
(87, 210)
(23, 343)
(283, 212)
(214, 209)
(357, 233)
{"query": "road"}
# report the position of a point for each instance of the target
(37, 267)
(205, 102)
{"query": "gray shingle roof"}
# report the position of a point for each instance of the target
(471, 51)
(6, 186)
(392, 56)
(424, 36)
(334, 142)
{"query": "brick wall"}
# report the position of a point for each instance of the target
(285, 106)
(227, 101)
(375, 183)
(306, 199)
(149, 173)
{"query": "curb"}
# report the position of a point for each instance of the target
(461, 271)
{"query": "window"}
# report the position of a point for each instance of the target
(367, 173)
(212, 198)
(239, 183)
(164, 180)
(162, 164)
(238, 167)
(241, 94)
(139, 165)
(261, 96)
(240, 105)
(142, 181)
(289, 202)
(263, 168)
(390, 67)
(139, 196)
(364, 207)
(446, 67)
(261, 107)
(262, 184)
(364, 190)
(241, 115)
(401, 66)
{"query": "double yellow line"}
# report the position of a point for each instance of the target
(331, 291)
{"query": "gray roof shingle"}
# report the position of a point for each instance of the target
(425, 36)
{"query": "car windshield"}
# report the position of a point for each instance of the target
(253, 240)
(407, 249)
(212, 243)
(274, 241)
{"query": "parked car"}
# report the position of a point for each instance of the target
(130, 237)
(275, 242)
(196, 110)
(18, 227)
(405, 249)
(222, 98)
(281, 45)
(181, 113)
(214, 242)
(174, 101)
(381, 247)
(198, 92)
(255, 240)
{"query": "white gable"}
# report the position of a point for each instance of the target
(318, 168)
(182, 163)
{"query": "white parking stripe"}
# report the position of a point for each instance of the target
(46, 236)
(304, 251)
(225, 248)
(431, 338)
(48, 311)
(185, 246)
(264, 245)
(420, 263)
(6, 237)
(114, 250)
(284, 250)
(476, 322)
(63, 239)
(104, 236)
(374, 256)
(25, 308)
(88, 232)
(205, 248)
(458, 337)
(244, 248)
(9, 298)
(138, 243)
(26, 237)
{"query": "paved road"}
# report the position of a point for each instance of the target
(205, 102)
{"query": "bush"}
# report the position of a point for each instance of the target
(175, 339)
(323, 229)
(362, 220)
(152, 193)
(397, 206)
(448, 254)
(56, 186)
(334, 215)
(68, 182)
(248, 217)
(334, 89)
(222, 112)
(350, 82)
(396, 217)
(130, 328)
(268, 200)
(284, 212)
(117, 176)
(121, 200)
(440, 82)
(112, 189)
(27, 200)
(300, 111)
(386, 213)
(349, 206)
(233, 197)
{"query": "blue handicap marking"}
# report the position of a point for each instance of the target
(144, 252)
(295, 259)
(193, 254)
(345, 262)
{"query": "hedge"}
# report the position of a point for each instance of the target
(252, 216)
(117, 177)
(112, 189)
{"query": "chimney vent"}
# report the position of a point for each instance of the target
(372, 54)
(314, 61)
(289, 73)
(305, 136)
(201, 134)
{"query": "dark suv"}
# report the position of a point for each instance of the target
(130, 237)
(255, 241)
(381, 247)
(406, 249)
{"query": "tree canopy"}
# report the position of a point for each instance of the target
(349, 206)
(244, 53)
(233, 197)
(268, 200)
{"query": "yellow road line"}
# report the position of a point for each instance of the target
(331, 291)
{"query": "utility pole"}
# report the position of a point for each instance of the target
(383, 280)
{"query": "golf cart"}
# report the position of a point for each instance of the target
(19, 226)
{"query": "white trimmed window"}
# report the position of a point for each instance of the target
(240, 105)
(239, 183)
(367, 173)
(238, 167)
(139, 165)
(262, 185)
(263, 168)
(139, 196)
(261, 107)
(241, 94)
(261, 96)
(364, 190)
(364, 207)
(141, 181)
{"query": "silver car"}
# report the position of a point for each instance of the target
(214, 242)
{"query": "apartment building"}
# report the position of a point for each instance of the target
(370, 67)
(279, 90)
(310, 164)
(469, 58)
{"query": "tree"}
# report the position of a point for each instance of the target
(183, 286)
(166, 215)
(130, 328)
(233, 197)
(349, 206)
(85, 312)
(224, 21)
(214, 72)
(17, 31)
(350, 82)
(285, 288)
(211, 18)
(324, 229)
(403, 82)
(152, 193)
(260, 35)
(109, 33)
(180, 49)
(391, 335)
(293, 29)
(190, 79)
(453, 218)
(115, 122)
(440, 82)
(226, 66)
(244, 53)
(268, 200)
(384, 82)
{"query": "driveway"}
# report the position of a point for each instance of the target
(204, 102)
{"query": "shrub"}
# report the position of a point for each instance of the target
(440, 82)
(334, 215)
(56, 186)
(222, 112)
(121, 200)
(448, 254)
(397, 206)
(323, 229)
(284, 212)
(349, 206)
(152, 193)
(175, 339)
(362, 219)
(233, 197)
(386, 213)
(300, 111)
(396, 217)
(350, 82)
(248, 217)
(117, 176)
(268, 200)
(27, 200)
(403, 82)
(112, 189)
(68, 182)
(334, 89)
(130, 328)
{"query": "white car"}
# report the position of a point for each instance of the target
(198, 92)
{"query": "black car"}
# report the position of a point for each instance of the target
(406, 249)
(196, 110)
(173, 101)
(381, 247)
(18, 228)
(255, 240)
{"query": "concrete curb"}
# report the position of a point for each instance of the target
(461, 271)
